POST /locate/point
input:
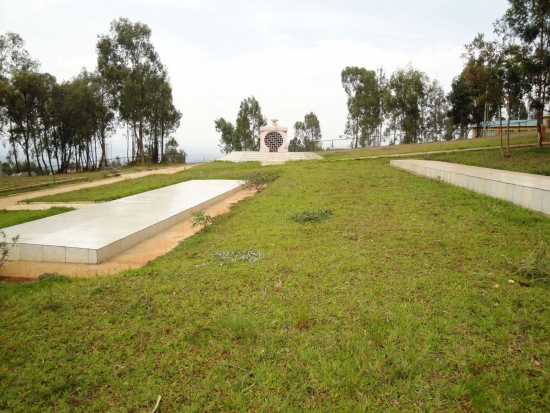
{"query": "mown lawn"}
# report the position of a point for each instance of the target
(211, 170)
(390, 305)
(9, 218)
(517, 139)
(22, 184)
(530, 160)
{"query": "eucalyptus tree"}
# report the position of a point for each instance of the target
(164, 117)
(307, 135)
(21, 98)
(461, 105)
(62, 142)
(487, 57)
(246, 136)
(529, 21)
(128, 62)
(364, 89)
(226, 139)
(172, 154)
(13, 58)
(103, 114)
(514, 84)
(404, 98)
(433, 111)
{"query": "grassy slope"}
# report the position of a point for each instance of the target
(9, 218)
(517, 139)
(530, 160)
(388, 306)
(211, 170)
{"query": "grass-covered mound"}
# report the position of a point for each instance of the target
(390, 305)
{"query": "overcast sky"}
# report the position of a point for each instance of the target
(288, 54)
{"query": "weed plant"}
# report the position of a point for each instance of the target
(258, 180)
(536, 265)
(315, 215)
(236, 255)
(200, 219)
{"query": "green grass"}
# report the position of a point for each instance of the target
(517, 139)
(211, 170)
(389, 305)
(9, 218)
(529, 160)
(21, 184)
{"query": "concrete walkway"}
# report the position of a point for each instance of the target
(11, 202)
(527, 190)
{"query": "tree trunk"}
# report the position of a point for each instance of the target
(500, 116)
(508, 137)
(141, 151)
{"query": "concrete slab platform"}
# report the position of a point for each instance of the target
(269, 157)
(92, 235)
(134, 257)
(527, 190)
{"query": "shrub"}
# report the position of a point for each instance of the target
(312, 216)
(258, 180)
(6, 246)
(202, 219)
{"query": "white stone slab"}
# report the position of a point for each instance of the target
(252, 156)
(91, 235)
(527, 190)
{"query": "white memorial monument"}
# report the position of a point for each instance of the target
(273, 148)
(273, 138)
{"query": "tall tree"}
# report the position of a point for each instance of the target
(461, 105)
(226, 129)
(529, 20)
(246, 136)
(364, 90)
(20, 97)
(514, 84)
(129, 62)
(14, 56)
(404, 99)
(307, 135)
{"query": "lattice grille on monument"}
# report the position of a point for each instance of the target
(273, 140)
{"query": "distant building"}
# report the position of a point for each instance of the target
(516, 126)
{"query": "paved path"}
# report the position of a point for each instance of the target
(11, 202)
(527, 190)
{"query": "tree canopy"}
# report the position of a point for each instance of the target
(58, 126)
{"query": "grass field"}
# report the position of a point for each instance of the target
(530, 160)
(517, 139)
(9, 218)
(389, 305)
(211, 170)
(21, 184)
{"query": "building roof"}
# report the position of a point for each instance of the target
(513, 122)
